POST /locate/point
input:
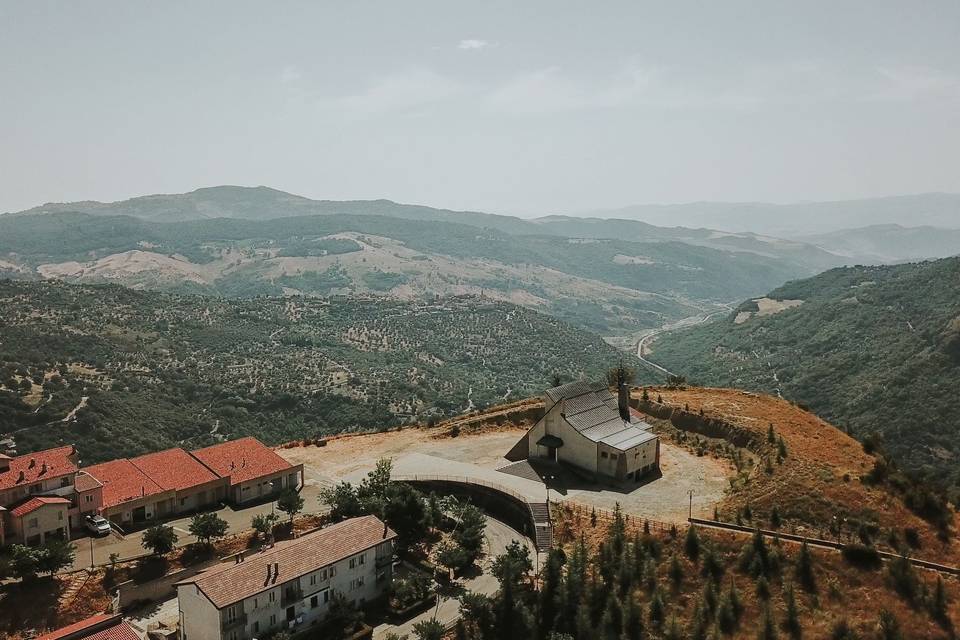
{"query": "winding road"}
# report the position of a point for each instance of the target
(670, 326)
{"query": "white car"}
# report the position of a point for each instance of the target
(98, 525)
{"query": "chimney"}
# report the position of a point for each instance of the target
(4, 462)
(33, 463)
(384, 530)
(20, 477)
(623, 399)
(43, 469)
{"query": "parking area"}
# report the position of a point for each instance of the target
(666, 498)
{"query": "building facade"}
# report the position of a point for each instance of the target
(254, 471)
(290, 586)
(588, 427)
(48, 474)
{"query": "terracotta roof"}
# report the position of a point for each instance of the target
(227, 583)
(122, 482)
(103, 626)
(57, 462)
(241, 460)
(174, 469)
(33, 504)
(86, 482)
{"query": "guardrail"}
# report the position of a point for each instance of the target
(819, 542)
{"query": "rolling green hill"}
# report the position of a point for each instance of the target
(613, 287)
(873, 349)
(124, 371)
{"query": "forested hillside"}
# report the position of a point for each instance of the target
(120, 371)
(613, 287)
(873, 349)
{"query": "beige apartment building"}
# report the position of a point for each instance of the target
(289, 586)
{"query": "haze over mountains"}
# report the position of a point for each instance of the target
(613, 276)
(802, 218)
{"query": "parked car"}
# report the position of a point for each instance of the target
(97, 525)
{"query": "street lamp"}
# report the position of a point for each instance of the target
(690, 510)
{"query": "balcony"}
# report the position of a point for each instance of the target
(291, 595)
(237, 621)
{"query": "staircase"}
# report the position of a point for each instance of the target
(543, 529)
(77, 581)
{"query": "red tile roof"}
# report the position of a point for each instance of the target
(33, 504)
(103, 626)
(227, 583)
(242, 460)
(174, 469)
(122, 481)
(86, 482)
(57, 462)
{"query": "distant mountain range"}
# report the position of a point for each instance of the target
(613, 276)
(875, 349)
(802, 218)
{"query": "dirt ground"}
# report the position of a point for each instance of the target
(665, 498)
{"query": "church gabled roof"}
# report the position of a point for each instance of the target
(591, 409)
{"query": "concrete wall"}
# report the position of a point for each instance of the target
(500, 505)
(131, 592)
(201, 496)
(199, 619)
(260, 488)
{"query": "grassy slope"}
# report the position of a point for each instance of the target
(874, 349)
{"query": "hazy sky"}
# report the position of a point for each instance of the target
(516, 107)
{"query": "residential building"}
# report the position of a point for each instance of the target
(194, 485)
(49, 474)
(39, 519)
(289, 586)
(588, 427)
(103, 626)
(255, 471)
(89, 494)
(130, 496)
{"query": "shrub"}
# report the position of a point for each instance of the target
(861, 556)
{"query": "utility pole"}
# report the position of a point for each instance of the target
(690, 510)
(91, 552)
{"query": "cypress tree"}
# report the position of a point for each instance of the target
(692, 543)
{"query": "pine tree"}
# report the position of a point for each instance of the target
(698, 624)
(938, 605)
(633, 621)
(747, 512)
(791, 619)
(775, 518)
(768, 630)
(763, 589)
(889, 626)
(676, 572)
(804, 572)
(657, 611)
(771, 437)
